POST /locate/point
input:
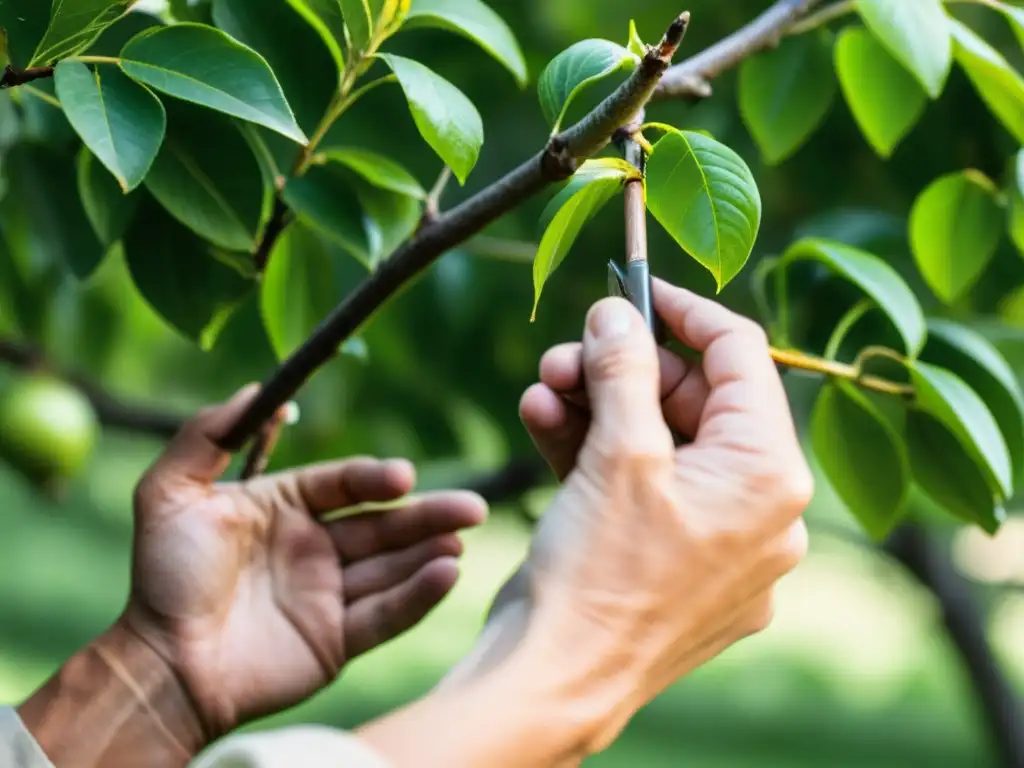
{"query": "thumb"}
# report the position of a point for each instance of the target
(194, 454)
(621, 370)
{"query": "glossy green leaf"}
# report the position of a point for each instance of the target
(916, 32)
(983, 368)
(785, 93)
(948, 474)
(207, 177)
(583, 64)
(218, 73)
(325, 199)
(191, 10)
(567, 224)
(885, 99)
(446, 119)
(636, 45)
(1015, 16)
(475, 20)
(120, 121)
(108, 209)
(590, 171)
(324, 16)
(298, 289)
(954, 232)
(946, 397)
(862, 457)
(875, 277)
(47, 184)
(705, 196)
(356, 14)
(74, 26)
(377, 169)
(274, 30)
(25, 23)
(181, 276)
(998, 84)
(1017, 221)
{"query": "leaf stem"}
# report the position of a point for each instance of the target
(433, 202)
(791, 358)
(96, 59)
(845, 325)
(869, 353)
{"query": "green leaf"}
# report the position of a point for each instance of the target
(948, 474)
(25, 23)
(207, 177)
(785, 94)
(1019, 175)
(636, 45)
(1014, 15)
(389, 219)
(108, 209)
(590, 171)
(984, 369)
(377, 169)
(876, 278)
(946, 396)
(356, 14)
(325, 199)
(567, 224)
(47, 184)
(475, 20)
(916, 32)
(298, 289)
(998, 84)
(954, 232)
(706, 197)
(446, 119)
(324, 16)
(885, 99)
(1017, 221)
(218, 73)
(862, 456)
(74, 26)
(120, 121)
(276, 32)
(583, 64)
(182, 277)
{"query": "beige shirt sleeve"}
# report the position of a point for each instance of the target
(18, 749)
(311, 746)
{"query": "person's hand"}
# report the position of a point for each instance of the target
(253, 602)
(652, 559)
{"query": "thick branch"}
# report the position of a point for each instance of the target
(111, 411)
(691, 78)
(12, 77)
(1004, 716)
(555, 163)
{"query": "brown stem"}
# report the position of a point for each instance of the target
(636, 206)
(263, 447)
(12, 77)
(555, 163)
(279, 220)
(111, 411)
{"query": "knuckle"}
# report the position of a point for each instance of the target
(752, 331)
(761, 615)
(789, 488)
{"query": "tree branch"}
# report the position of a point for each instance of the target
(556, 162)
(691, 78)
(12, 77)
(279, 220)
(1004, 716)
(111, 411)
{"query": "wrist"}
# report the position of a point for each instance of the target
(116, 702)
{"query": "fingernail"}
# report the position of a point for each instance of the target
(611, 319)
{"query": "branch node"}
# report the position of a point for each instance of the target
(557, 161)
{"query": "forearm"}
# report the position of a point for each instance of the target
(115, 703)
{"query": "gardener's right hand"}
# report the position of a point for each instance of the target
(653, 559)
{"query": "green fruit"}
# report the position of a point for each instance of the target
(48, 429)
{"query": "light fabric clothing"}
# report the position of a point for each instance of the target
(17, 747)
(309, 746)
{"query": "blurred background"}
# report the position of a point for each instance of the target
(856, 670)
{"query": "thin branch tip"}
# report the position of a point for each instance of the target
(674, 37)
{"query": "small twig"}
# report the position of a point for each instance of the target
(279, 220)
(636, 205)
(555, 163)
(821, 17)
(789, 358)
(432, 208)
(111, 411)
(12, 77)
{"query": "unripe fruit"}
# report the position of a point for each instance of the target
(48, 429)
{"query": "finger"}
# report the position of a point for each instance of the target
(422, 518)
(746, 393)
(326, 487)
(378, 618)
(194, 454)
(381, 573)
(556, 426)
(683, 387)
